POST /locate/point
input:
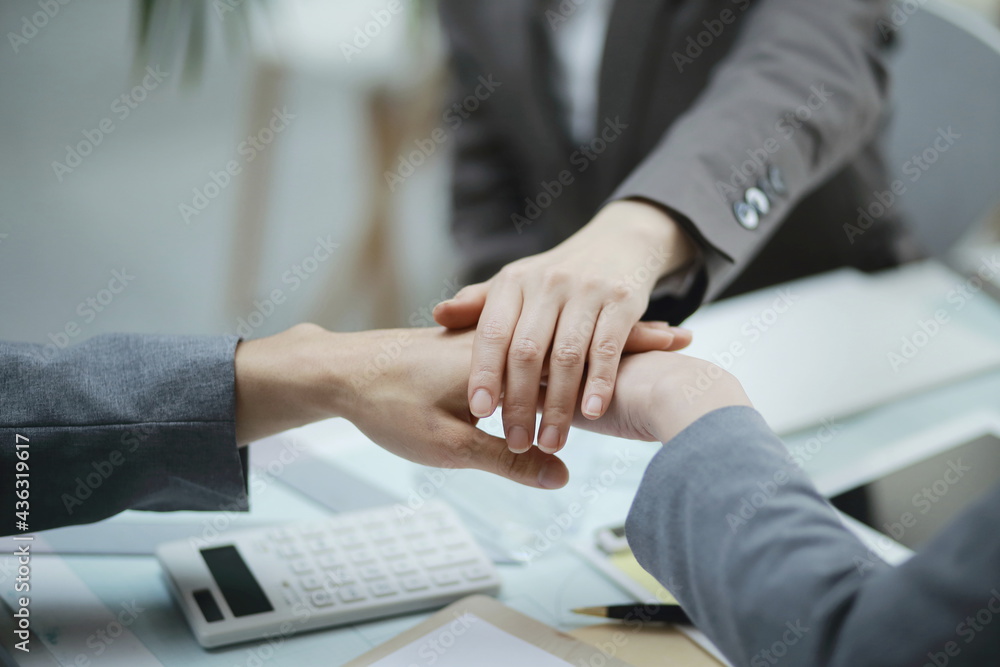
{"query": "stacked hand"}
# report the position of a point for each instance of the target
(576, 305)
(406, 390)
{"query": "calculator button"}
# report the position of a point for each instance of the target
(381, 535)
(380, 589)
(391, 551)
(313, 529)
(445, 578)
(404, 567)
(422, 545)
(311, 583)
(341, 576)
(476, 573)
(447, 559)
(414, 583)
(321, 599)
(289, 549)
(351, 593)
(371, 572)
(454, 540)
(437, 522)
(328, 562)
(321, 544)
(279, 534)
(301, 566)
(291, 597)
(363, 556)
(342, 527)
(350, 541)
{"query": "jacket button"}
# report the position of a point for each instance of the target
(746, 215)
(756, 198)
(777, 180)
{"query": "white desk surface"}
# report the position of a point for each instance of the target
(79, 592)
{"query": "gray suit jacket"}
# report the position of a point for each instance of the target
(692, 93)
(118, 422)
(787, 584)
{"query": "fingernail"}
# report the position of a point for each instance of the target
(593, 407)
(551, 476)
(481, 404)
(442, 303)
(518, 440)
(660, 325)
(548, 440)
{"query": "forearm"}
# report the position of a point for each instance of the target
(763, 564)
(291, 379)
(744, 541)
(120, 422)
(824, 58)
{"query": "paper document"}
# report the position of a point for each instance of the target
(469, 640)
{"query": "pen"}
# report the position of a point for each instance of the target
(664, 613)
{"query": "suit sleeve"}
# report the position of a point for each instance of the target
(118, 422)
(800, 92)
(764, 567)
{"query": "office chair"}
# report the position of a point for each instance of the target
(945, 69)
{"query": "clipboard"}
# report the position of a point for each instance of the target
(503, 618)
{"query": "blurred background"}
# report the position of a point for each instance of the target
(241, 192)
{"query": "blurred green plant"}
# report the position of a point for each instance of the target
(168, 29)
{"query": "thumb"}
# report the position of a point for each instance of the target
(649, 336)
(533, 468)
(462, 310)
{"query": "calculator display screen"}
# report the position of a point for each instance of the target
(236, 582)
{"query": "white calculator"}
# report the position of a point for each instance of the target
(270, 583)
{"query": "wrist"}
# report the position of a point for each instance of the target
(680, 400)
(288, 380)
(661, 242)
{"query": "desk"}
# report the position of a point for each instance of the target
(74, 597)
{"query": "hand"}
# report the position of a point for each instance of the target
(660, 394)
(405, 389)
(574, 305)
